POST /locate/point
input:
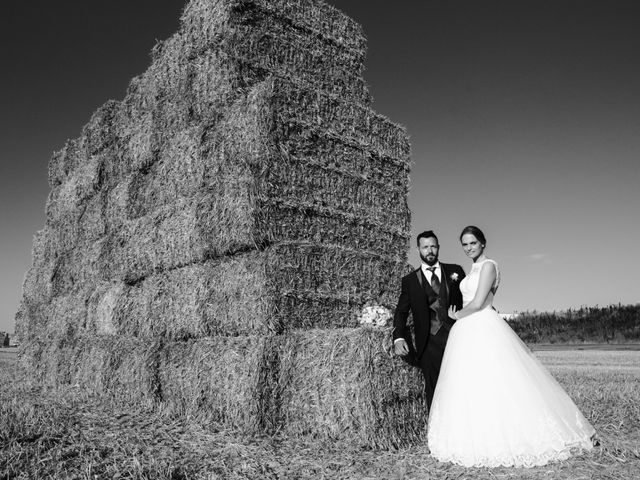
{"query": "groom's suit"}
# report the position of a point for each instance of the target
(430, 319)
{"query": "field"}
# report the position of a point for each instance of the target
(65, 434)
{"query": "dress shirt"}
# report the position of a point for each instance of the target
(428, 273)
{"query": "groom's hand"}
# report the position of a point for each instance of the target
(400, 347)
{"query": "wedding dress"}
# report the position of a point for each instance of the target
(495, 404)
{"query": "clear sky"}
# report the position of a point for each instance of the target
(524, 118)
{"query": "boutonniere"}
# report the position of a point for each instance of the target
(454, 277)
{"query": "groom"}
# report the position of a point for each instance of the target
(427, 292)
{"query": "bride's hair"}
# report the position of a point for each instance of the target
(476, 232)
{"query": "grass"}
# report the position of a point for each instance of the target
(63, 433)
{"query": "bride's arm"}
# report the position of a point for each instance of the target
(487, 278)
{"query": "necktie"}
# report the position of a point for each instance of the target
(435, 283)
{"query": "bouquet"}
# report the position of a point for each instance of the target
(375, 316)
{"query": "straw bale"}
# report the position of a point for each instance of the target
(66, 160)
(239, 165)
(347, 385)
(296, 108)
(332, 270)
(202, 21)
(71, 229)
(181, 233)
(184, 84)
(338, 384)
(234, 137)
(99, 133)
(194, 86)
(242, 190)
(115, 161)
(141, 96)
(195, 164)
(266, 48)
(282, 220)
(311, 66)
(318, 150)
(147, 124)
(325, 171)
(211, 225)
(119, 201)
(170, 73)
(290, 179)
(37, 286)
(125, 369)
(179, 173)
(44, 363)
(286, 286)
(26, 318)
(92, 222)
(220, 379)
(141, 142)
(42, 248)
(227, 296)
(69, 196)
(197, 86)
(304, 125)
(282, 109)
(215, 82)
(279, 119)
(20, 321)
(79, 165)
(66, 315)
(57, 320)
(246, 36)
(101, 307)
(140, 126)
(55, 171)
(81, 267)
(120, 367)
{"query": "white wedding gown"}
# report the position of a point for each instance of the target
(495, 404)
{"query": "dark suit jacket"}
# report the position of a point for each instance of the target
(413, 298)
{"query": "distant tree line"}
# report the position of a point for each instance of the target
(612, 324)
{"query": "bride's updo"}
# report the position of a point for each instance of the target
(476, 232)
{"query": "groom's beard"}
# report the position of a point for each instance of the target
(429, 259)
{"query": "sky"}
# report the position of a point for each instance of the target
(524, 119)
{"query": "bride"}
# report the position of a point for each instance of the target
(495, 404)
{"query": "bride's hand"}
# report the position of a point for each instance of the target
(452, 312)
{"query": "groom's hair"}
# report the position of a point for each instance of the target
(427, 234)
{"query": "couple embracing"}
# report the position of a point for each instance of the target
(491, 402)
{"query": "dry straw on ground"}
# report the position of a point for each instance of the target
(212, 238)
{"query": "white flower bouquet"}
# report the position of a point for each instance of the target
(375, 316)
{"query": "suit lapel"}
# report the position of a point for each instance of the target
(445, 280)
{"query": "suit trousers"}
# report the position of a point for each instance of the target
(431, 360)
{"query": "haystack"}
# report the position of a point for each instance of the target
(333, 384)
(212, 238)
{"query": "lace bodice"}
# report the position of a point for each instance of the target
(469, 284)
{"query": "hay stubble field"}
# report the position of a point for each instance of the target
(63, 433)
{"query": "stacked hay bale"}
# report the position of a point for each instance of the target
(212, 238)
